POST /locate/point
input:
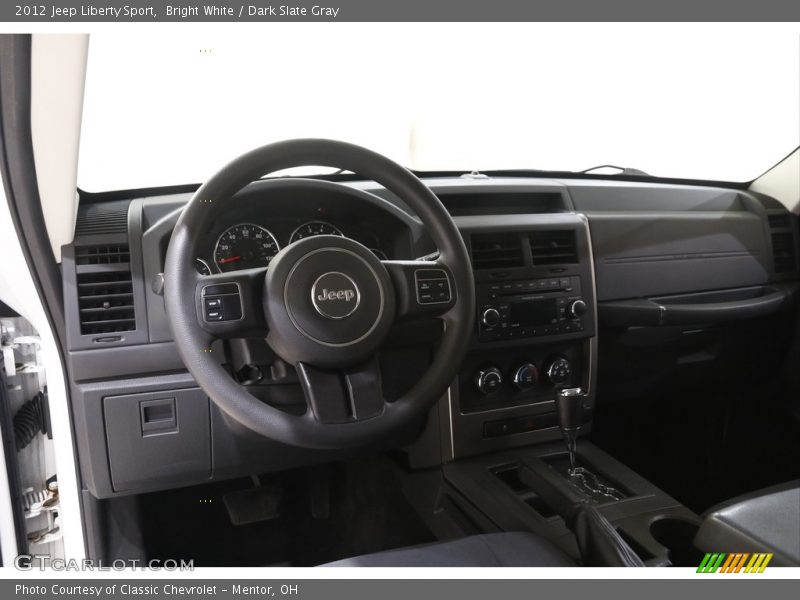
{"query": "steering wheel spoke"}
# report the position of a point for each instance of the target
(343, 396)
(423, 288)
(229, 305)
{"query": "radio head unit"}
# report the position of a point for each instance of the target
(530, 308)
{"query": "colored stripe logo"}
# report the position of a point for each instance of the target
(736, 562)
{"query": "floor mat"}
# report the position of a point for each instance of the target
(368, 514)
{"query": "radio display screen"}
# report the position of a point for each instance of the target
(534, 312)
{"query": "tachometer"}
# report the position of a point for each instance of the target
(244, 246)
(313, 228)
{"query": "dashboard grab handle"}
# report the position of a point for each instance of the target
(679, 311)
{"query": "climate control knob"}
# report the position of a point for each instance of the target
(490, 317)
(577, 309)
(558, 370)
(526, 376)
(488, 381)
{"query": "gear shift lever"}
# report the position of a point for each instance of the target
(569, 405)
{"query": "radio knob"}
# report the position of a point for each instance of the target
(490, 317)
(577, 309)
(526, 376)
(488, 381)
(558, 370)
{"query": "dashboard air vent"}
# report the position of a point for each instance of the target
(779, 221)
(496, 250)
(554, 247)
(784, 246)
(105, 302)
(783, 252)
(103, 218)
(102, 255)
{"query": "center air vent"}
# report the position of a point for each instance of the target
(496, 250)
(105, 302)
(554, 247)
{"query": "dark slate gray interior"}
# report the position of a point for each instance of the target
(676, 279)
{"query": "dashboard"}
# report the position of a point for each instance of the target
(655, 270)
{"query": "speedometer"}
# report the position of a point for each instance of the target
(244, 246)
(313, 228)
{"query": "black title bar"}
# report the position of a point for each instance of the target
(153, 11)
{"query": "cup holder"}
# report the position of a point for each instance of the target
(677, 536)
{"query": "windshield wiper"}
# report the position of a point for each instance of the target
(620, 170)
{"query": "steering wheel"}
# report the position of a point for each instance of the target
(325, 304)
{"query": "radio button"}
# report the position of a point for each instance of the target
(577, 309)
(490, 318)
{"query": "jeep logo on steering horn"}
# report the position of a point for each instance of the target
(346, 295)
(335, 295)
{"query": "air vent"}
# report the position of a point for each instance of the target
(779, 221)
(103, 218)
(496, 251)
(553, 247)
(102, 255)
(783, 252)
(105, 301)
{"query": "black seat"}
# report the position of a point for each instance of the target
(764, 521)
(515, 549)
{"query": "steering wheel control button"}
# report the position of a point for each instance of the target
(526, 376)
(433, 286)
(335, 295)
(214, 315)
(222, 302)
(488, 381)
(220, 288)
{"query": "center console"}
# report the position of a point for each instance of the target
(535, 327)
(528, 381)
(528, 489)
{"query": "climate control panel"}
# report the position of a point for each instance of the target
(520, 376)
(523, 376)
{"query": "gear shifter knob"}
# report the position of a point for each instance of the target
(569, 404)
(569, 407)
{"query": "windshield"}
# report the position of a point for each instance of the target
(694, 102)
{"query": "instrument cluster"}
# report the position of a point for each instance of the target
(250, 245)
